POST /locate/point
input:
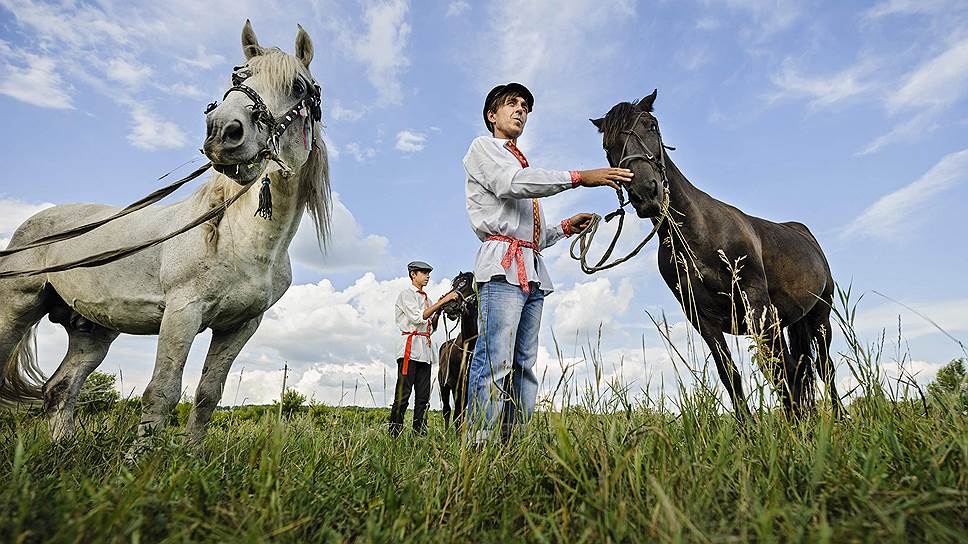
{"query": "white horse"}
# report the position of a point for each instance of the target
(222, 276)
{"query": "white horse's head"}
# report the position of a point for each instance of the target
(269, 111)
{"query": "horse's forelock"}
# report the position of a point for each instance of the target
(279, 69)
(620, 118)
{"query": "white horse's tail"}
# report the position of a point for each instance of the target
(21, 380)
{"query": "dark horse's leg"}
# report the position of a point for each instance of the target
(445, 400)
(443, 375)
(460, 370)
(713, 335)
(782, 365)
(825, 365)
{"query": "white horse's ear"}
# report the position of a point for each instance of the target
(304, 47)
(250, 44)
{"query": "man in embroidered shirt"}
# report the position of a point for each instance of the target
(502, 202)
(417, 319)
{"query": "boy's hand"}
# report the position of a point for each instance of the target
(610, 177)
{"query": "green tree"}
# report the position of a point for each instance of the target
(292, 401)
(98, 393)
(951, 381)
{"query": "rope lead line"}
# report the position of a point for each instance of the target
(131, 208)
(116, 254)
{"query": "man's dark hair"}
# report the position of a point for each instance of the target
(498, 101)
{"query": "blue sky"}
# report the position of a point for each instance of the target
(849, 117)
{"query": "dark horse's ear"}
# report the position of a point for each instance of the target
(250, 44)
(598, 123)
(646, 103)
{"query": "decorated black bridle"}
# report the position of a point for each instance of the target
(656, 161)
(584, 238)
(308, 108)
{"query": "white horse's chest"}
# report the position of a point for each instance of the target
(234, 289)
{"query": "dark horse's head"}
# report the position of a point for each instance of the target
(632, 140)
(463, 285)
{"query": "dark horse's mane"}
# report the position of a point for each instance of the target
(620, 118)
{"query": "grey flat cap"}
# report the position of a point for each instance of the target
(419, 265)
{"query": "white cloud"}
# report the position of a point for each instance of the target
(907, 7)
(382, 47)
(586, 306)
(950, 315)
(360, 153)
(885, 218)
(819, 90)
(203, 59)
(410, 142)
(13, 213)
(340, 113)
(37, 82)
(184, 89)
(150, 132)
(349, 249)
(127, 72)
(908, 131)
(767, 16)
(457, 7)
(937, 83)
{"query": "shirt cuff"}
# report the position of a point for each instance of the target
(575, 178)
(566, 227)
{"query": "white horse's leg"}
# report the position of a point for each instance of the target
(179, 326)
(225, 347)
(86, 349)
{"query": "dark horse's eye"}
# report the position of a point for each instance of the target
(298, 87)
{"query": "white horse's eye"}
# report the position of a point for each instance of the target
(298, 88)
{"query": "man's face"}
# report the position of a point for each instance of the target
(509, 118)
(421, 278)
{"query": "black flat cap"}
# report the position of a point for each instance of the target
(419, 265)
(516, 87)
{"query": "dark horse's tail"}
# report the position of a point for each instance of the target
(801, 369)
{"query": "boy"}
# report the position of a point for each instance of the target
(417, 319)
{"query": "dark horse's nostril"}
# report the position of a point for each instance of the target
(232, 133)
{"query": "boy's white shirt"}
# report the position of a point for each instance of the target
(409, 310)
(499, 193)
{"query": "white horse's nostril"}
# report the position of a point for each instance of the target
(233, 134)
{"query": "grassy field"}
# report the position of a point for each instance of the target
(601, 469)
(892, 473)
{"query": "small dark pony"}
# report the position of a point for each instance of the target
(732, 273)
(455, 354)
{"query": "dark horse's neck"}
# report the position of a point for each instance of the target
(468, 322)
(685, 200)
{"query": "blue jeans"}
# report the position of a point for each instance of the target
(502, 386)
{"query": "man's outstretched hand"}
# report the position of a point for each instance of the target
(610, 177)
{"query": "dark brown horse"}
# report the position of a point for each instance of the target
(455, 354)
(731, 272)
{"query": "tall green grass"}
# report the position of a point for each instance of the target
(605, 467)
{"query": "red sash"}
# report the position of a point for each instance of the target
(411, 334)
(515, 254)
